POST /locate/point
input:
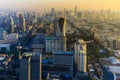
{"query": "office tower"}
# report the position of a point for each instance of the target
(22, 26)
(12, 25)
(30, 66)
(60, 31)
(60, 26)
(75, 13)
(80, 55)
(52, 11)
(35, 17)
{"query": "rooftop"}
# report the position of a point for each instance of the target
(28, 54)
(114, 69)
(80, 41)
(111, 61)
(61, 52)
(51, 37)
(7, 41)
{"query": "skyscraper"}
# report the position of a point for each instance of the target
(22, 26)
(30, 66)
(60, 31)
(12, 25)
(75, 13)
(52, 11)
(80, 55)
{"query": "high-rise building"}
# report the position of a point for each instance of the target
(80, 55)
(12, 25)
(60, 31)
(2, 34)
(52, 11)
(75, 13)
(60, 26)
(22, 26)
(30, 66)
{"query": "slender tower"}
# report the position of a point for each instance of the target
(75, 13)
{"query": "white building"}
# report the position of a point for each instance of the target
(13, 36)
(5, 46)
(80, 55)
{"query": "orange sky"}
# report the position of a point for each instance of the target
(60, 4)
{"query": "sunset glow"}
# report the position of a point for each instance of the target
(60, 4)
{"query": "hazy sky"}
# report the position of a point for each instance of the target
(60, 4)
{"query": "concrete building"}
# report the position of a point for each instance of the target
(22, 26)
(60, 30)
(80, 55)
(52, 11)
(38, 44)
(57, 42)
(13, 36)
(61, 63)
(12, 26)
(107, 38)
(30, 66)
(54, 44)
(75, 13)
(111, 68)
(2, 34)
(63, 58)
(6, 45)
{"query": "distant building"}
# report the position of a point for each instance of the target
(30, 66)
(75, 13)
(3, 34)
(12, 25)
(22, 26)
(80, 55)
(52, 11)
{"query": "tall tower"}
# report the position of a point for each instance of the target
(80, 55)
(22, 26)
(75, 13)
(62, 26)
(60, 31)
(12, 25)
(52, 11)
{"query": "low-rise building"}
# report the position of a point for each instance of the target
(111, 68)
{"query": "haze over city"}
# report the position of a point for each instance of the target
(59, 39)
(60, 4)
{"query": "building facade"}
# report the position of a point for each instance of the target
(30, 66)
(22, 26)
(80, 55)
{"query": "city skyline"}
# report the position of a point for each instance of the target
(60, 4)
